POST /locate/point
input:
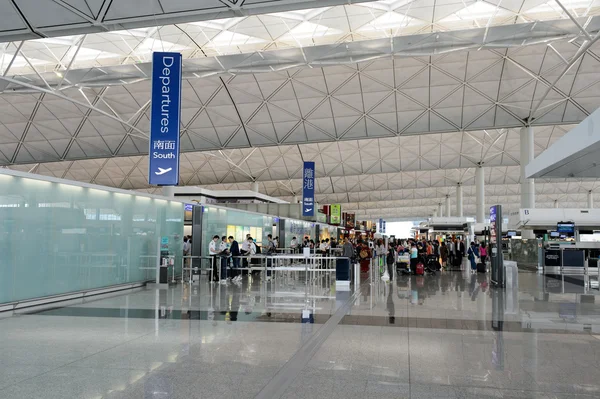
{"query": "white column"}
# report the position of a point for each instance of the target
(168, 191)
(590, 199)
(527, 185)
(255, 187)
(459, 200)
(435, 213)
(448, 205)
(556, 203)
(440, 211)
(479, 195)
(295, 200)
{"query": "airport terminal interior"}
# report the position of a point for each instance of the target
(322, 199)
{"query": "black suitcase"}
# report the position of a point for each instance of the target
(481, 268)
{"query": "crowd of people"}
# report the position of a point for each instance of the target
(227, 254)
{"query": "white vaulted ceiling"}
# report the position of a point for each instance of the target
(395, 101)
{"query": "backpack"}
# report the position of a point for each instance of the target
(390, 257)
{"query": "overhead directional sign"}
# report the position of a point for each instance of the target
(164, 121)
(308, 189)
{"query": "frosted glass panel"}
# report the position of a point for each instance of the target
(57, 238)
(222, 222)
(298, 229)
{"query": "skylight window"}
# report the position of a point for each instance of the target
(227, 38)
(552, 7)
(301, 15)
(477, 11)
(389, 20)
(307, 30)
(219, 24)
(151, 45)
(19, 61)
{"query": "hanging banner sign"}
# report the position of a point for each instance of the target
(308, 189)
(383, 228)
(163, 168)
(350, 221)
(335, 216)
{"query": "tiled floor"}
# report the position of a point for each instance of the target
(416, 337)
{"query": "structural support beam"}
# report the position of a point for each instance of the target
(459, 200)
(556, 203)
(527, 185)
(440, 210)
(168, 191)
(448, 211)
(255, 187)
(480, 195)
(590, 200)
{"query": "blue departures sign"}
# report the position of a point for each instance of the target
(308, 189)
(164, 121)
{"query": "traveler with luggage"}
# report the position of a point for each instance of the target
(414, 257)
(473, 254)
(483, 253)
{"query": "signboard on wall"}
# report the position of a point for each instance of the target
(321, 216)
(163, 166)
(350, 221)
(308, 189)
(335, 214)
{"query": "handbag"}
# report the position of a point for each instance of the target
(386, 276)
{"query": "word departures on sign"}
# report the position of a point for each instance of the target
(164, 120)
(308, 189)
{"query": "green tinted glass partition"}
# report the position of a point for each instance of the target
(226, 222)
(57, 238)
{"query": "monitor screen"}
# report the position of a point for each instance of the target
(555, 234)
(565, 228)
(511, 233)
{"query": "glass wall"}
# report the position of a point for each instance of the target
(298, 229)
(57, 238)
(231, 222)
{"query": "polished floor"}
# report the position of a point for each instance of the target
(444, 336)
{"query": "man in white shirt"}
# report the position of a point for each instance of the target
(294, 245)
(213, 251)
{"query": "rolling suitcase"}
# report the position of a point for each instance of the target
(420, 270)
(481, 268)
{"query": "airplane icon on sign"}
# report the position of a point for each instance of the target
(307, 210)
(162, 171)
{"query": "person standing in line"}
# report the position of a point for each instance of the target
(213, 251)
(414, 258)
(483, 252)
(347, 249)
(234, 250)
(473, 254)
(294, 245)
(187, 249)
(225, 257)
(391, 261)
(444, 254)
